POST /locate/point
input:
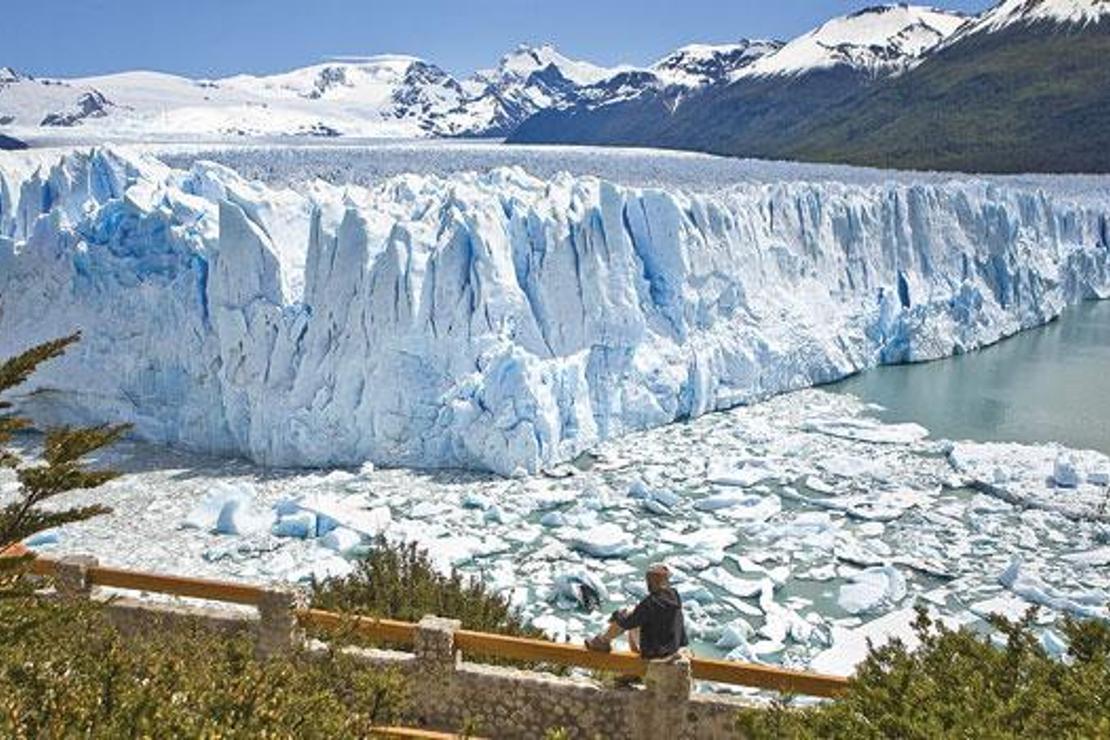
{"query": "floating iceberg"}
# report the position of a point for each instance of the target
(497, 320)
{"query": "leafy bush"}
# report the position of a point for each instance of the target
(400, 582)
(958, 684)
(66, 672)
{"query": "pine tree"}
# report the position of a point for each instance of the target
(59, 468)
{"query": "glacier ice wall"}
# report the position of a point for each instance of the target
(494, 320)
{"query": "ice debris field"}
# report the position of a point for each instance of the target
(513, 322)
(798, 528)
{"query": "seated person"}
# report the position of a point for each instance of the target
(655, 627)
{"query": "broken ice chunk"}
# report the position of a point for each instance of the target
(734, 634)
(871, 588)
(349, 511)
(302, 524)
(744, 476)
(604, 541)
(850, 646)
(1007, 605)
(1065, 471)
(867, 430)
(552, 626)
(735, 585)
(743, 506)
(1090, 604)
(45, 537)
(553, 519)
(474, 500)
(205, 514)
(1096, 557)
(343, 541)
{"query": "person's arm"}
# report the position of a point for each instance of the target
(636, 618)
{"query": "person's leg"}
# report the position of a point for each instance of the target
(634, 639)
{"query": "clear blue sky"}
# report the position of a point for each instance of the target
(208, 38)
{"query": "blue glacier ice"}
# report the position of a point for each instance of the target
(496, 320)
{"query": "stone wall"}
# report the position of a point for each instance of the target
(448, 693)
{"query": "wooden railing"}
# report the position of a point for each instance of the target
(469, 642)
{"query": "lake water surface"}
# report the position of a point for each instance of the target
(1050, 384)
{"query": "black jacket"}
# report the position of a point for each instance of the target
(659, 617)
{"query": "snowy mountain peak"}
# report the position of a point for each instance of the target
(702, 64)
(525, 60)
(7, 74)
(1028, 12)
(91, 104)
(361, 79)
(879, 40)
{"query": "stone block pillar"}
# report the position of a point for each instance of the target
(72, 576)
(665, 699)
(436, 663)
(278, 630)
(435, 644)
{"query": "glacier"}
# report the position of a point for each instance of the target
(495, 320)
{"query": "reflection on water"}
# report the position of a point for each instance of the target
(1044, 385)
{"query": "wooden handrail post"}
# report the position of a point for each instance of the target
(663, 708)
(278, 628)
(72, 576)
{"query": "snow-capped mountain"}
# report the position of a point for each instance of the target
(697, 65)
(526, 80)
(378, 96)
(381, 96)
(1030, 12)
(878, 40)
(754, 91)
(751, 98)
(525, 61)
(892, 86)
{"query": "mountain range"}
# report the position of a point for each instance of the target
(380, 96)
(1023, 86)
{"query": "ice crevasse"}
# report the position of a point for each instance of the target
(494, 320)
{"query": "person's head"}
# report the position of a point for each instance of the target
(658, 577)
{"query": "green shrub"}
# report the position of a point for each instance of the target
(958, 684)
(66, 672)
(400, 582)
